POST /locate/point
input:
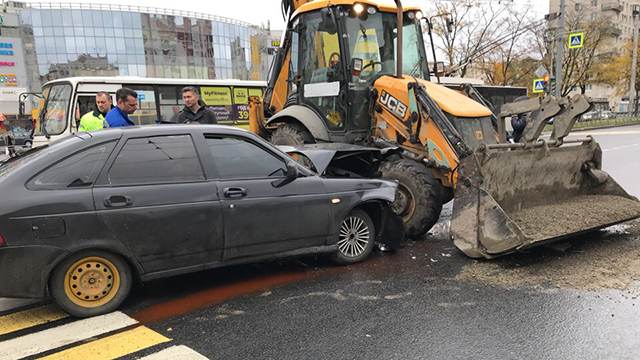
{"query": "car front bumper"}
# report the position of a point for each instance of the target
(24, 270)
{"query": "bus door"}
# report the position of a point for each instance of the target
(85, 100)
(85, 103)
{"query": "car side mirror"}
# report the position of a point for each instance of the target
(292, 174)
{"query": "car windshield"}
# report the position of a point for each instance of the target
(54, 115)
(372, 38)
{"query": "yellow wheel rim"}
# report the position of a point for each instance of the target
(92, 281)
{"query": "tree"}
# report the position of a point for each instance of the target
(616, 70)
(476, 31)
(510, 62)
(578, 65)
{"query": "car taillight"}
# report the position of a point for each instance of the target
(3, 242)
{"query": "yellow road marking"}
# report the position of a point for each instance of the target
(28, 318)
(112, 347)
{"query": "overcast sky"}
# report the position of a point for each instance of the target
(260, 11)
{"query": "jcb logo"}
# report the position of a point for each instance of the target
(392, 104)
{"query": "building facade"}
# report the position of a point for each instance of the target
(618, 17)
(46, 41)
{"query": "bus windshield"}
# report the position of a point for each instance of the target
(53, 118)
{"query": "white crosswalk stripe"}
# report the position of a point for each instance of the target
(54, 338)
(175, 353)
(99, 338)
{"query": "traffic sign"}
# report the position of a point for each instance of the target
(576, 40)
(538, 86)
(541, 71)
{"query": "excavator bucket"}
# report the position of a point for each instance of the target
(510, 197)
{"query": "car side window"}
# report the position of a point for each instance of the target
(77, 170)
(155, 160)
(236, 158)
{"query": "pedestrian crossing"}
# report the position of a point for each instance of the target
(46, 332)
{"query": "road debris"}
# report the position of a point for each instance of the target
(599, 260)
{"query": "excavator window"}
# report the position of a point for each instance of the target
(373, 39)
(321, 67)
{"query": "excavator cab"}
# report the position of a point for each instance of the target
(332, 56)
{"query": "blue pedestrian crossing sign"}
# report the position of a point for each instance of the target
(538, 86)
(576, 40)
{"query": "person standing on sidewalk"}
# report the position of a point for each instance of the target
(95, 120)
(195, 110)
(127, 103)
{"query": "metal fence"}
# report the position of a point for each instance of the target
(618, 120)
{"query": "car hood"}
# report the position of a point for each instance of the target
(325, 155)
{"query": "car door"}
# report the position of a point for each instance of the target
(259, 217)
(58, 201)
(155, 199)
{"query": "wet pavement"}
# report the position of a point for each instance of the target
(573, 301)
(577, 300)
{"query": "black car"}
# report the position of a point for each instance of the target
(20, 137)
(82, 218)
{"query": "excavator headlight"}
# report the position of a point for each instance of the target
(371, 10)
(358, 8)
(419, 15)
(411, 15)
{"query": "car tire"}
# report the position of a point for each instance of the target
(356, 238)
(419, 197)
(292, 135)
(91, 283)
(27, 144)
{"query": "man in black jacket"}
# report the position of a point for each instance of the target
(194, 110)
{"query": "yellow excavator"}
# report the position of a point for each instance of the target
(356, 72)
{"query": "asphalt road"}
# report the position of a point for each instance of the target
(578, 301)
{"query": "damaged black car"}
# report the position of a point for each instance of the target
(84, 217)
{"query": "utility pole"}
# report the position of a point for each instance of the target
(634, 61)
(560, 49)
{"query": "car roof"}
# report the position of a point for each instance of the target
(164, 129)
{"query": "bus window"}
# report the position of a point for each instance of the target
(170, 103)
(240, 111)
(147, 112)
(55, 111)
(255, 92)
(219, 99)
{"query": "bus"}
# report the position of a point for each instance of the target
(159, 101)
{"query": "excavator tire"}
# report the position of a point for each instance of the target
(418, 200)
(291, 134)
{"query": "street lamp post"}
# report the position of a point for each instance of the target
(560, 50)
(634, 60)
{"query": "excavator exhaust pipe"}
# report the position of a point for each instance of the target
(510, 197)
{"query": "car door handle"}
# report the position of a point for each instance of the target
(117, 201)
(235, 192)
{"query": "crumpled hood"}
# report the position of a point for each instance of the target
(322, 155)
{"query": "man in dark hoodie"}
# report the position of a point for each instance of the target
(194, 110)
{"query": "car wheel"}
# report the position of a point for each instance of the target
(27, 144)
(91, 283)
(356, 238)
